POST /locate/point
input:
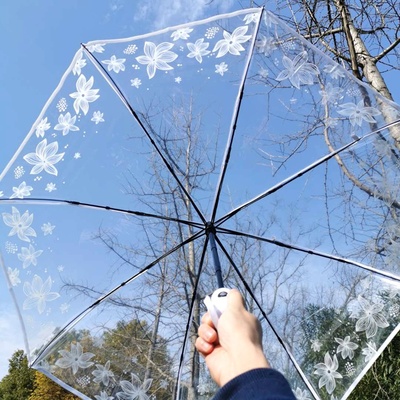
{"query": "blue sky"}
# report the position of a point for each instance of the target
(39, 39)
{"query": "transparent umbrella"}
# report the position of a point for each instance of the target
(224, 152)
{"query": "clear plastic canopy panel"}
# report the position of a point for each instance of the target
(233, 125)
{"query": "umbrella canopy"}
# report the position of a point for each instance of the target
(232, 131)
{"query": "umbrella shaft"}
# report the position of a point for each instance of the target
(217, 264)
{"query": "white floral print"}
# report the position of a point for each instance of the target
(369, 317)
(135, 389)
(23, 190)
(198, 50)
(42, 127)
(79, 64)
(20, 224)
(115, 64)
(157, 57)
(221, 68)
(47, 228)
(301, 394)
(346, 348)
(38, 293)
(358, 113)
(75, 358)
(335, 71)
(249, 18)
(44, 158)
(29, 256)
(13, 275)
(97, 117)
(96, 48)
(50, 187)
(136, 82)
(369, 351)
(84, 94)
(103, 396)
(265, 45)
(328, 372)
(182, 33)
(103, 374)
(66, 123)
(232, 43)
(331, 94)
(298, 70)
(316, 345)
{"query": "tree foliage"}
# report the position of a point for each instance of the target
(18, 384)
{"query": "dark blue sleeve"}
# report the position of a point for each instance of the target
(257, 384)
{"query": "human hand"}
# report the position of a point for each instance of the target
(237, 345)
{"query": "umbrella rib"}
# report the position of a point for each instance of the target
(125, 101)
(43, 352)
(312, 252)
(298, 174)
(188, 323)
(232, 129)
(100, 207)
(279, 338)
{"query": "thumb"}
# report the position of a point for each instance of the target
(235, 300)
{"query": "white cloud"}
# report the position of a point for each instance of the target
(165, 13)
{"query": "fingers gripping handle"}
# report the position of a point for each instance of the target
(216, 304)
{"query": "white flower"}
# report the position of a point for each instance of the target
(1, 193)
(232, 42)
(346, 347)
(265, 45)
(44, 158)
(301, 394)
(316, 345)
(79, 64)
(21, 225)
(221, 68)
(157, 57)
(134, 390)
(198, 50)
(331, 94)
(75, 358)
(115, 64)
(38, 293)
(250, 18)
(84, 94)
(136, 82)
(298, 70)
(47, 228)
(358, 113)
(327, 371)
(66, 123)
(335, 71)
(13, 275)
(42, 127)
(29, 256)
(103, 374)
(96, 48)
(182, 33)
(50, 187)
(64, 308)
(369, 351)
(370, 318)
(21, 191)
(103, 396)
(97, 117)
